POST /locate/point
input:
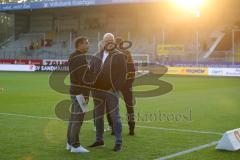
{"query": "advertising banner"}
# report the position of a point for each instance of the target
(50, 68)
(53, 62)
(64, 3)
(21, 61)
(45, 4)
(17, 67)
(229, 72)
(198, 71)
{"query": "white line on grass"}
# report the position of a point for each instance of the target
(138, 126)
(180, 130)
(34, 117)
(29, 116)
(188, 151)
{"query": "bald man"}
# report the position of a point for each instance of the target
(110, 67)
(101, 49)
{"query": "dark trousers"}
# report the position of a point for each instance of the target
(75, 123)
(101, 100)
(130, 103)
(107, 115)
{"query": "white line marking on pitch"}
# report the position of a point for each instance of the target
(188, 151)
(28, 116)
(180, 130)
(34, 117)
(138, 126)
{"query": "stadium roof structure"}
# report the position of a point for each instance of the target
(46, 4)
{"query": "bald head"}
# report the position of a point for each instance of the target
(108, 37)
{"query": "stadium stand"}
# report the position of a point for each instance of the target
(50, 34)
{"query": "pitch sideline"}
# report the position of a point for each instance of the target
(138, 126)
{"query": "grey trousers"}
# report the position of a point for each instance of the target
(75, 123)
(101, 99)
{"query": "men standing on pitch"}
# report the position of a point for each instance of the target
(79, 94)
(126, 90)
(111, 77)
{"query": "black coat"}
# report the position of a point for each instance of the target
(130, 68)
(110, 75)
(78, 67)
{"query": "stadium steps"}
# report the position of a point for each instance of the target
(218, 36)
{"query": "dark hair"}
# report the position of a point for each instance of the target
(80, 40)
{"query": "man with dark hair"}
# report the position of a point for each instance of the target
(126, 90)
(111, 69)
(79, 94)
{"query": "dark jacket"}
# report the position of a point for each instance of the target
(78, 67)
(130, 76)
(110, 75)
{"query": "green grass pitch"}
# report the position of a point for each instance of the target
(214, 103)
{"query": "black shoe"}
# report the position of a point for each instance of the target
(117, 148)
(131, 132)
(112, 133)
(131, 128)
(97, 144)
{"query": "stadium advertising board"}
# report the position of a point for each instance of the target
(50, 68)
(45, 4)
(199, 71)
(21, 61)
(17, 67)
(53, 62)
(230, 141)
(229, 72)
(64, 3)
(169, 49)
(61, 65)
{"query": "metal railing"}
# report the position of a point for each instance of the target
(6, 41)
